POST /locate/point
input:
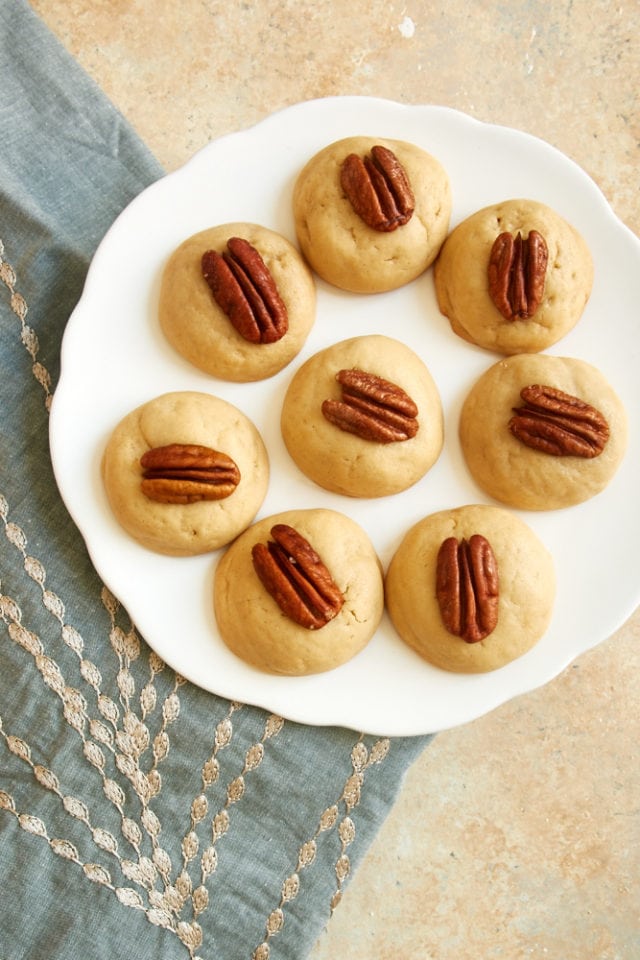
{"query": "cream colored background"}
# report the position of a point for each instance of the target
(516, 836)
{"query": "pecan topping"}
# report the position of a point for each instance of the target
(517, 270)
(559, 424)
(372, 408)
(186, 473)
(378, 189)
(467, 587)
(294, 575)
(244, 289)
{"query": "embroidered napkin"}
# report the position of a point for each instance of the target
(139, 815)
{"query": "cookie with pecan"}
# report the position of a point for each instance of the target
(363, 417)
(541, 432)
(513, 277)
(299, 592)
(237, 301)
(471, 588)
(371, 214)
(185, 473)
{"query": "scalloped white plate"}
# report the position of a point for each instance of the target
(114, 357)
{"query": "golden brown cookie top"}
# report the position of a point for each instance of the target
(371, 214)
(299, 592)
(185, 473)
(541, 432)
(471, 588)
(363, 417)
(237, 301)
(514, 277)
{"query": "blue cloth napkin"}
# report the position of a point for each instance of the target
(139, 815)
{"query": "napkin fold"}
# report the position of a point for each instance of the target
(139, 815)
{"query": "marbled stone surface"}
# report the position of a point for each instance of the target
(518, 835)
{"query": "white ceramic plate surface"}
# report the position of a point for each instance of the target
(114, 358)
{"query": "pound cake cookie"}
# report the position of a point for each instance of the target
(371, 214)
(299, 592)
(471, 589)
(541, 432)
(363, 417)
(237, 301)
(185, 473)
(513, 277)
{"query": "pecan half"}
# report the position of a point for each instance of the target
(187, 473)
(467, 587)
(559, 424)
(244, 289)
(378, 189)
(372, 408)
(294, 575)
(517, 271)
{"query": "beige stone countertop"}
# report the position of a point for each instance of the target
(517, 835)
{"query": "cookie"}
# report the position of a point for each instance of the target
(175, 434)
(202, 332)
(536, 464)
(259, 631)
(345, 250)
(561, 290)
(319, 412)
(518, 576)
